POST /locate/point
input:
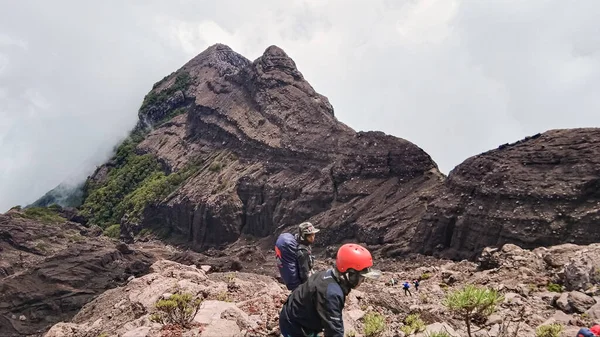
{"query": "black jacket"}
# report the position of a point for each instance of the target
(305, 261)
(315, 306)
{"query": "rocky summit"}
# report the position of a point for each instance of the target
(242, 147)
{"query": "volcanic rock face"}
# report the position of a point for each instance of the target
(541, 191)
(268, 153)
(49, 268)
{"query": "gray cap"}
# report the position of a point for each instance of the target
(307, 228)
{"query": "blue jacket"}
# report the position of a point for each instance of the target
(585, 332)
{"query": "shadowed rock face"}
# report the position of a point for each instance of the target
(270, 154)
(49, 270)
(541, 191)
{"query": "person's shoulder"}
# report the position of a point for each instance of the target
(334, 290)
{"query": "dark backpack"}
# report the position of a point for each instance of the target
(286, 248)
(585, 332)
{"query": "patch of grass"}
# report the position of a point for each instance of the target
(223, 296)
(374, 324)
(553, 287)
(551, 330)
(174, 113)
(425, 276)
(177, 309)
(145, 231)
(102, 204)
(42, 246)
(152, 189)
(76, 237)
(216, 166)
(182, 82)
(438, 334)
(131, 186)
(413, 324)
(47, 215)
(113, 231)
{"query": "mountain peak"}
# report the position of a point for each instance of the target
(219, 56)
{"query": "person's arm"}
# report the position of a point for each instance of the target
(303, 267)
(329, 308)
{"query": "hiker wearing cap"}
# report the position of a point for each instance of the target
(294, 255)
(306, 261)
(591, 332)
(317, 304)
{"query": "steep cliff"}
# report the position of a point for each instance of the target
(227, 147)
(540, 191)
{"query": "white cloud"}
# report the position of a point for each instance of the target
(455, 77)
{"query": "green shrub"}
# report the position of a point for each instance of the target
(128, 189)
(113, 231)
(553, 287)
(412, 324)
(472, 301)
(215, 166)
(177, 309)
(182, 82)
(425, 276)
(374, 324)
(438, 334)
(551, 330)
(47, 215)
(101, 206)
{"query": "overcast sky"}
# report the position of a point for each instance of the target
(455, 77)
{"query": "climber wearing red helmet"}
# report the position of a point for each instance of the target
(591, 332)
(317, 304)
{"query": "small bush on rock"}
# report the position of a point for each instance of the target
(553, 287)
(47, 215)
(113, 231)
(413, 323)
(374, 324)
(472, 301)
(177, 309)
(551, 330)
(438, 334)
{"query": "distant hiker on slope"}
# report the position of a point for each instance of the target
(406, 286)
(591, 332)
(416, 283)
(294, 255)
(317, 304)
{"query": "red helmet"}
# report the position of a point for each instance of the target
(595, 330)
(353, 256)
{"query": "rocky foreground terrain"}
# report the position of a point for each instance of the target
(247, 304)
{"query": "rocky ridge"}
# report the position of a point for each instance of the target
(540, 191)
